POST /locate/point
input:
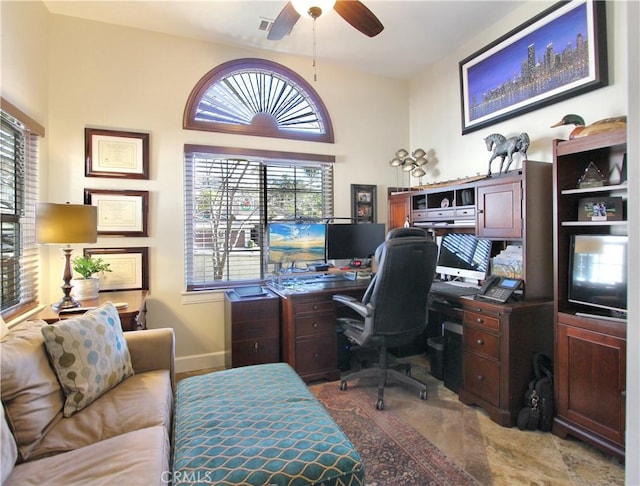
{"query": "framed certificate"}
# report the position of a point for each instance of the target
(129, 268)
(120, 213)
(116, 154)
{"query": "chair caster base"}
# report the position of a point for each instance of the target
(343, 385)
(380, 404)
(423, 394)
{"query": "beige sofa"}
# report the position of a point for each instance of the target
(123, 437)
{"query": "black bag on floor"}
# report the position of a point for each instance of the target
(538, 399)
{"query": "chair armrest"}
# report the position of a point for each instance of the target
(153, 349)
(353, 303)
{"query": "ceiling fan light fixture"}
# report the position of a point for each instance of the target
(312, 9)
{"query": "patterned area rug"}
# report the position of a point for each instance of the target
(392, 451)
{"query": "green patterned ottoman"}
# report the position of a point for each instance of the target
(258, 425)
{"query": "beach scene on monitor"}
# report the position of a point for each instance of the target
(289, 243)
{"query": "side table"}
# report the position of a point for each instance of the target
(132, 316)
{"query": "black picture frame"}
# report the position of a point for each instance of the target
(363, 203)
(506, 79)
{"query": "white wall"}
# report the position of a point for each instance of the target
(435, 102)
(120, 78)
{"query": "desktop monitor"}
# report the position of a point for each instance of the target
(296, 242)
(463, 255)
(353, 240)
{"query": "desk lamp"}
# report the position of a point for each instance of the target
(65, 224)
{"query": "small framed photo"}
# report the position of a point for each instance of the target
(363, 203)
(116, 154)
(129, 268)
(120, 213)
(600, 209)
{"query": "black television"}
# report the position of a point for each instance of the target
(463, 255)
(598, 272)
(346, 241)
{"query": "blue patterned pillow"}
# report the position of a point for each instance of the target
(89, 355)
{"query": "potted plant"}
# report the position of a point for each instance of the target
(89, 268)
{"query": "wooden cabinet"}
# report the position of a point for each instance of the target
(590, 354)
(309, 333)
(498, 345)
(254, 325)
(590, 374)
(515, 208)
(399, 209)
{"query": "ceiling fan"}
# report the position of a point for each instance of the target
(353, 11)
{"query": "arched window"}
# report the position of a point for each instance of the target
(257, 97)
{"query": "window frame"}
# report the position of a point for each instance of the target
(29, 261)
(263, 157)
(262, 126)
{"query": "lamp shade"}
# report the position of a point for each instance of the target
(66, 223)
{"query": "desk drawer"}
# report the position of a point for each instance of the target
(441, 213)
(482, 320)
(252, 352)
(255, 329)
(314, 307)
(255, 310)
(317, 324)
(482, 378)
(482, 342)
(316, 354)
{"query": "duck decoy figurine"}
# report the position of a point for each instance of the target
(599, 126)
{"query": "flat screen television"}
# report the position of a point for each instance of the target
(296, 242)
(352, 240)
(598, 271)
(463, 255)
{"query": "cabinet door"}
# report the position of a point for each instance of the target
(399, 208)
(499, 212)
(591, 380)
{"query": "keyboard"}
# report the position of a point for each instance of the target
(453, 289)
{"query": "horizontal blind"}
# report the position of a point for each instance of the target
(230, 200)
(18, 250)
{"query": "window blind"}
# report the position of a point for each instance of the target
(229, 200)
(18, 250)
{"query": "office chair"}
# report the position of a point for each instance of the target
(394, 306)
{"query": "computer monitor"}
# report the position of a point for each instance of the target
(296, 242)
(346, 241)
(464, 255)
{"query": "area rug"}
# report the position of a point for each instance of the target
(392, 451)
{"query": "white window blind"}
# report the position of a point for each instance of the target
(230, 200)
(18, 251)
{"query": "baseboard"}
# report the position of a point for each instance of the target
(200, 362)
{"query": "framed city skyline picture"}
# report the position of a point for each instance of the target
(556, 55)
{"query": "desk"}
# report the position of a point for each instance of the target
(132, 316)
(308, 324)
(498, 345)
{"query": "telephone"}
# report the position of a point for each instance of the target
(498, 289)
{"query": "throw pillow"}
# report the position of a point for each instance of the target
(89, 355)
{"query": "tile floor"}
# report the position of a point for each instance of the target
(494, 455)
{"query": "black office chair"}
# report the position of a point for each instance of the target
(394, 306)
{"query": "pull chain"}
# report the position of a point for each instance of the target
(315, 75)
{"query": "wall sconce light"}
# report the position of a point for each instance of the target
(63, 224)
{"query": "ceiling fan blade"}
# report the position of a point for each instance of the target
(359, 16)
(283, 23)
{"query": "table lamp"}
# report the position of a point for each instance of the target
(65, 224)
